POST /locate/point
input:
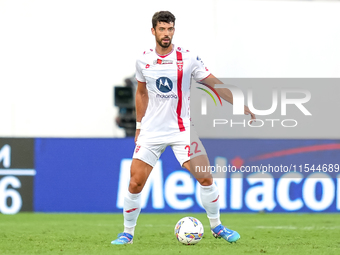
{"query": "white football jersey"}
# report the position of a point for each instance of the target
(168, 83)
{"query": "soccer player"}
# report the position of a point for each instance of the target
(162, 114)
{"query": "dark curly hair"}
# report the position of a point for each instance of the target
(162, 16)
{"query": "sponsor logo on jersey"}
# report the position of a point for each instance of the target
(174, 96)
(164, 84)
(162, 62)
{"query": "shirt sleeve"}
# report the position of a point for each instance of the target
(139, 74)
(199, 71)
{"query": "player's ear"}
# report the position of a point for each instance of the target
(153, 31)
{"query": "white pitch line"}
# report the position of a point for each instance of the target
(302, 228)
(30, 172)
(160, 225)
(277, 227)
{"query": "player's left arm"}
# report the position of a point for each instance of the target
(225, 93)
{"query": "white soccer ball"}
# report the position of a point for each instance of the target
(189, 230)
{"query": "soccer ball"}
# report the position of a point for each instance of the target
(189, 230)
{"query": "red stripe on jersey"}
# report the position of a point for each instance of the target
(179, 90)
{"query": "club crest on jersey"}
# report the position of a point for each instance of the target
(180, 65)
(162, 62)
(164, 84)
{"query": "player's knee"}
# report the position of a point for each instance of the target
(206, 181)
(136, 186)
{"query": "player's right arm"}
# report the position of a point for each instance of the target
(142, 99)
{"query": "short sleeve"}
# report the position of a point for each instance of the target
(139, 74)
(199, 71)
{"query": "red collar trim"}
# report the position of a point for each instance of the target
(163, 56)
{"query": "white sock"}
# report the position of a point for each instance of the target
(130, 231)
(211, 203)
(214, 222)
(132, 207)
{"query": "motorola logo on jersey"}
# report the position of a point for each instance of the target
(166, 96)
(164, 84)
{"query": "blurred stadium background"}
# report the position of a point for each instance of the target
(61, 149)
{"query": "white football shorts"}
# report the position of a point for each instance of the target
(183, 147)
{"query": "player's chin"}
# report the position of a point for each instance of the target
(165, 44)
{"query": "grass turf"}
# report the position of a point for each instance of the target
(29, 233)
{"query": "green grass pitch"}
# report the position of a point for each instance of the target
(29, 233)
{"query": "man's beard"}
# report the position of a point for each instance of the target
(164, 45)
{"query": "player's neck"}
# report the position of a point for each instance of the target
(163, 51)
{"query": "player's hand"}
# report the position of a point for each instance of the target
(247, 112)
(136, 135)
